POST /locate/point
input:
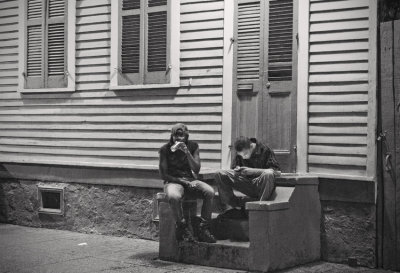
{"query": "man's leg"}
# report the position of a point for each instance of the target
(227, 180)
(265, 184)
(205, 192)
(174, 194)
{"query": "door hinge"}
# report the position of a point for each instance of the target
(295, 148)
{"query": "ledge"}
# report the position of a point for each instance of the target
(143, 176)
(330, 189)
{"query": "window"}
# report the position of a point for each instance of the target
(51, 199)
(144, 44)
(47, 48)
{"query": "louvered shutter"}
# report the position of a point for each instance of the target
(248, 49)
(34, 63)
(56, 44)
(130, 43)
(156, 46)
(280, 40)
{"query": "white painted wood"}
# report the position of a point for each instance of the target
(227, 85)
(372, 97)
(302, 86)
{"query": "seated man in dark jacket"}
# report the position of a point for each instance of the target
(253, 173)
(179, 167)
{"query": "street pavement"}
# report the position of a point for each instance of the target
(36, 250)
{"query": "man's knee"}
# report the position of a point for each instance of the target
(174, 197)
(268, 173)
(209, 193)
(206, 190)
(220, 174)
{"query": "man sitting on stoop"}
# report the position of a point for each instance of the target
(179, 167)
(252, 173)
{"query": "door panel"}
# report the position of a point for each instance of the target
(265, 101)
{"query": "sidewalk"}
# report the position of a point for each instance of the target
(32, 250)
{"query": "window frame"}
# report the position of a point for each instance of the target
(173, 46)
(70, 55)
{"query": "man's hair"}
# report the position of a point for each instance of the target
(242, 143)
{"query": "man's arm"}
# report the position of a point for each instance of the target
(271, 162)
(163, 167)
(194, 160)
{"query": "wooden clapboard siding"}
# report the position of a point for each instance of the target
(339, 76)
(95, 126)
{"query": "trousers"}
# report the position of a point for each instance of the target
(260, 187)
(176, 193)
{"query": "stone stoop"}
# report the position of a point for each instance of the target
(278, 234)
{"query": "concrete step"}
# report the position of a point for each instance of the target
(224, 254)
(233, 229)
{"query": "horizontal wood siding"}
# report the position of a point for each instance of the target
(94, 126)
(338, 87)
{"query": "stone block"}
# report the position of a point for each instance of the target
(285, 231)
(348, 230)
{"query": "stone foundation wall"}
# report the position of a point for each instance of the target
(348, 230)
(102, 209)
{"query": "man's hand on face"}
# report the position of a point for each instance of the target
(182, 146)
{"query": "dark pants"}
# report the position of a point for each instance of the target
(176, 192)
(260, 187)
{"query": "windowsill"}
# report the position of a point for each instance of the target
(46, 90)
(144, 86)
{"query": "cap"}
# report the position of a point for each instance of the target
(179, 127)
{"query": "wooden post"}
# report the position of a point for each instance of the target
(396, 84)
(387, 122)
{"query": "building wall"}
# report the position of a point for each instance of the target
(94, 126)
(348, 231)
(99, 209)
(342, 83)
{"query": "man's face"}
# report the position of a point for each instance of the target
(179, 136)
(245, 153)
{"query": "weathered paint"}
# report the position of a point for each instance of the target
(95, 126)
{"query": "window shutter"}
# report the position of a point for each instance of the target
(156, 46)
(130, 43)
(56, 44)
(34, 66)
(280, 40)
(248, 52)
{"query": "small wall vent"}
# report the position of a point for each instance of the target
(51, 199)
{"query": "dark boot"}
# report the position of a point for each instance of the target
(183, 232)
(204, 234)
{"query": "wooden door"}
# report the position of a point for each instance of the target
(265, 50)
(389, 184)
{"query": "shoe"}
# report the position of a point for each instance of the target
(204, 234)
(183, 232)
